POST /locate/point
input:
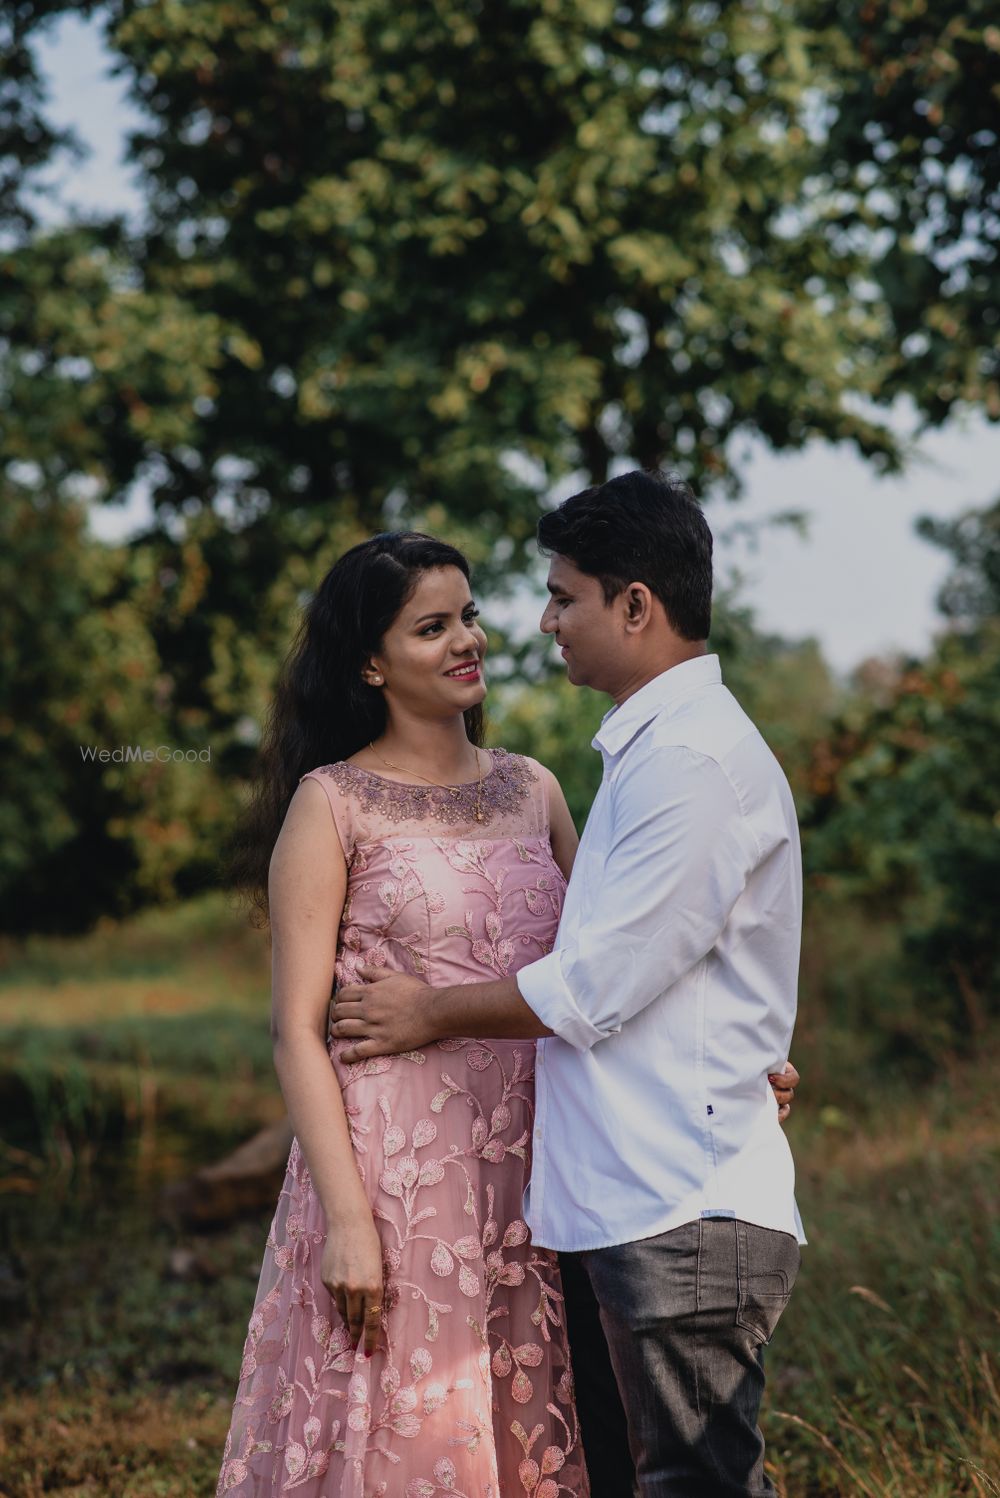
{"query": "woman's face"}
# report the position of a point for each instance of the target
(431, 657)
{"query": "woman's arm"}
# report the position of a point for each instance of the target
(306, 888)
(562, 832)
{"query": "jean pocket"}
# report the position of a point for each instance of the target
(768, 1264)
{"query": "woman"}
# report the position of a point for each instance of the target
(406, 1339)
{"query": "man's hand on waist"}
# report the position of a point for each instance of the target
(390, 1013)
(386, 1015)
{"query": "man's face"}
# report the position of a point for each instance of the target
(589, 632)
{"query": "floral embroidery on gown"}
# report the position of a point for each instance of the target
(469, 1393)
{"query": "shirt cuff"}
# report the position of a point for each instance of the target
(543, 988)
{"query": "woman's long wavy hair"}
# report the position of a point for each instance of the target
(323, 710)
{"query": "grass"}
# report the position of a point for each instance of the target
(103, 1443)
(145, 1041)
(120, 1336)
(886, 1366)
(176, 961)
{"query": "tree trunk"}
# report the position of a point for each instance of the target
(245, 1181)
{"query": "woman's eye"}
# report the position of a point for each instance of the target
(467, 618)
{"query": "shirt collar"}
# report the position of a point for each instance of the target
(621, 724)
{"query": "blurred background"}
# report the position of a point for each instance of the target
(276, 275)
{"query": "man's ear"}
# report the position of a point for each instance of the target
(638, 601)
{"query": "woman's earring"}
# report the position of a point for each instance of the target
(375, 681)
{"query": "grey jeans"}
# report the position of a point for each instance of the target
(666, 1336)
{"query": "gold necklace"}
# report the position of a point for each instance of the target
(452, 790)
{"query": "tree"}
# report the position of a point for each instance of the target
(970, 595)
(83, 836)
(408, 265)
(914, 153)
(905, 792)
(451, 255)
(27, 139)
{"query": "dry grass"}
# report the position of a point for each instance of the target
(885, 1370)
(107, 1444)
(143, 1047)
(163, 962)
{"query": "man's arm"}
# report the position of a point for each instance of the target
(679, 856)
(406, 1014)
(393, 1012)
(677, 862)
(384, 1026)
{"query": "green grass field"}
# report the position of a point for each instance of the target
(134, 1054)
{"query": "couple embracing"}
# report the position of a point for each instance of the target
(538, 1221)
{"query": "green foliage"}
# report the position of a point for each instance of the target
(396, 256)
(913, 154)
(81, 672)
(554, 723)
(970, 596)
(905, 791)
(97, 371)
(784, 685)
(400, 264)
(27, 138)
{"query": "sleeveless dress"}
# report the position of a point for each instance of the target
(469, 1393)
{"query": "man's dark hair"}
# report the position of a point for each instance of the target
(640, 528)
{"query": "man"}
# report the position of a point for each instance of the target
(660, 1170)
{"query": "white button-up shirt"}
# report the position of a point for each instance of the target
(672, 986)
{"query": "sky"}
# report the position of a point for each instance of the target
(861, 581)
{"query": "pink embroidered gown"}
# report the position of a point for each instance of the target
(469, 1393)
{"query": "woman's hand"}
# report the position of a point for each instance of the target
(351, 1270)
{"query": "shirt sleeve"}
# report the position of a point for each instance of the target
(678, 858)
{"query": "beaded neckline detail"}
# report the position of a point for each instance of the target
(504, 787)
